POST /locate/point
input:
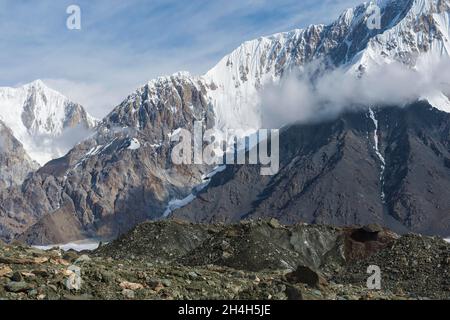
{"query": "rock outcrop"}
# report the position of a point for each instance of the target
(15, 164)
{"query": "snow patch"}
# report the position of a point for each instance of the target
(82, 245)
(439, 101)
(180, 203)
(156, 145)
(174, 133)
(177, 204)
(134, 144)
(376, 147)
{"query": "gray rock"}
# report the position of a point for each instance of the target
(82, 259)
(129, 294)
(166, 282)
(307, 276)
(293, 293)
(33, 293)
(274, 223)
(373, 228)
(18, 286)
(17, 277)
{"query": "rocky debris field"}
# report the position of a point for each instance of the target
(249, 260)
(249, 245)
(415, 264)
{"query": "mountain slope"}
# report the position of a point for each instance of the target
(332, 173)
(123, 174)
(38, 115)
(15, 164)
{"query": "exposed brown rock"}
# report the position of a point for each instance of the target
(61, 226)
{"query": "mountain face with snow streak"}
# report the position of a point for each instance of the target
(314, 183)
(38, 116)
(122, 174)
(389, 166)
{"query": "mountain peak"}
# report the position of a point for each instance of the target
(40, 86)
(37, 83)
(38, 115)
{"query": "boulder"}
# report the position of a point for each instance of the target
(17, 277)
(5, 271)
(307, 276)
(129, 294)
(274, 223)
(16, 287)
(373, 228)
(131, 286)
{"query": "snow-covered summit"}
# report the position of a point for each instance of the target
(409, 30)
(37, 114)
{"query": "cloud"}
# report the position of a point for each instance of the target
(99, 97)
(304, 97)
(46, 147)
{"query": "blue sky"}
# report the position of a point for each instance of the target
(123, 44)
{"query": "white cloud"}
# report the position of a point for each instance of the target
(299, 99)
(44, 148)
(98, 97)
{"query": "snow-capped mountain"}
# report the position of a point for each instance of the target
(122, 174)
(410, 29)
(38, 116)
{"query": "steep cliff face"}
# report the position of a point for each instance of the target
(389, 166)
(15, 164)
